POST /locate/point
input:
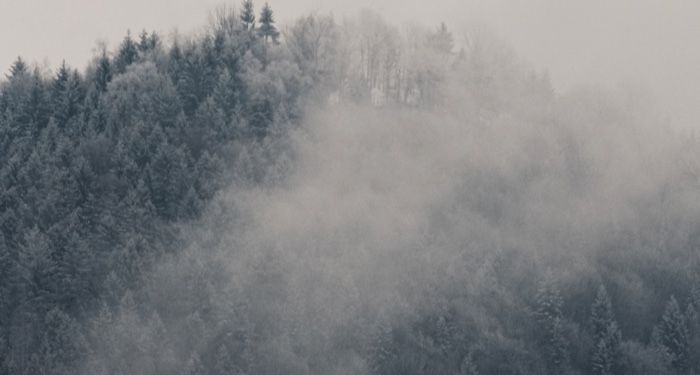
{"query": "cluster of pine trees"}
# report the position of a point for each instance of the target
(547, 341)
(96, 166)
(100, 170)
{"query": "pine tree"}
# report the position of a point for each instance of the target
(65, 94)
(227, 93)
(693, 321)
(61, 79)
(672, 335)
(551, 322)
(127, 55)
(37, 264)
(208, 171)
(62, 345)
(18, 68)
(38, 104)
(606, 334)
(9, 278)
(147, 42)
(442, 41)
(58, 89)
(248, 15)
(695, 294)
(267, 29)
(601, 313)
(167, 179)
(103, 72)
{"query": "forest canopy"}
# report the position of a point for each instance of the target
(331, 197)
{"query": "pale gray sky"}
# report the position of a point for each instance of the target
(655, 43)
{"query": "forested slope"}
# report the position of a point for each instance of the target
(332, 198)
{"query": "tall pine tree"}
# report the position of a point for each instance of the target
(671, 335)
(18, 68)
(127, 54)
(606, 334)
(267, 29)
(248, 15)
(103, 72)
(551, 323)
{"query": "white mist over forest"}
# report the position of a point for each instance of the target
(621, 42)
(285, 190)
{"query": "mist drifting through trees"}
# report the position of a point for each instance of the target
(339, 197)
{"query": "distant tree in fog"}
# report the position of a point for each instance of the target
(606, 335)
(267, 29)
(548, 314)
(248, 15)
(672, 336)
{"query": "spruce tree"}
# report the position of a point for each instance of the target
(227, 93)
(442, 41)
(65, 94)
(672, 335)
(267, 29)
(61, 78)
(248, 15)
(9, 276)
(147, 42)
(38, 102)
(58, 89)
(693, 322)
(551, 323)
(601, 313)
(103, 72)
(606, 335)
(62, 345)
(127, 54)
(18, 68)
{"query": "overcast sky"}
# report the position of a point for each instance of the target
(655, 43)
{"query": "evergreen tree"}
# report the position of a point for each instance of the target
(442, 40)
(188, 78)
(551, 323)
(147, 42)
(18, 68)
(63, 345)
(208, 169)
(127, 54)
(59, 89)
(267, 29)
(37, 265)
(227, 94)
(38, 103)
(103, 72)
(672, 335)
(65, 95)
(167, 180)
(248, 15)
(692, 318)
(8, 280)
(60, 82)
(606, 335)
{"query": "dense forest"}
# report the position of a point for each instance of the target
(339, 198)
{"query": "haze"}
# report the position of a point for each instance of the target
(655, 44)
(343, 190)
